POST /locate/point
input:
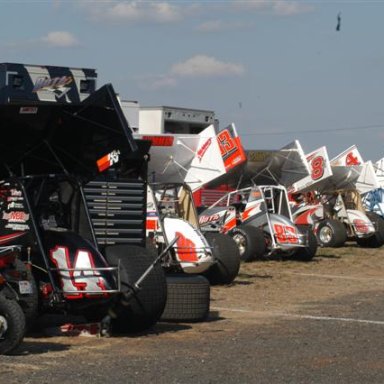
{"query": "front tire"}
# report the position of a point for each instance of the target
(147, 305)
(227, 256)
(250, 241)
(331, 233)
(12, 325)
(307, 253)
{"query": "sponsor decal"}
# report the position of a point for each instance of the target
(160, 141)
(16, 216)
(285, 234)
(108, 160)
(362, 226)
(352, 159)
(204, 219)
(10, 198)
(258, 155)
(17, 227)
(203, 149)
(15, 205)
(28, 110)
(15, 192)
(58, 85)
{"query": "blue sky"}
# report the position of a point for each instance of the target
(278, 69)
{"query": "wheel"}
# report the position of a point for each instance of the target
(12, 325)
(309, 252)
(331, 233)
(30, 302)
(377, 239)
(147, 305)
(188, 298)
(227, 256)
(250, 241)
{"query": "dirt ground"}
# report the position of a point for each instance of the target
(281, 321)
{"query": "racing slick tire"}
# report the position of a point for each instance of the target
(29, 303)
(331, 233)
(250, 241)
(377, 239)
(307, 253)
(227, 257)
(12, 325)
(188, 298)
(145, 306)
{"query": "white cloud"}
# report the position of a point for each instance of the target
(220, 25)
(194, 67)
(279, 7)
(60, 39)
(210, 26)
(136, 11)
(203, 66)
(158, 82)
(287, 8)
(53, 39)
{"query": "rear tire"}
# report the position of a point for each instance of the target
(147, 305)
(250, 241)
(188, 298)
(331, 233)
(377, 239)
(12, 325)
(227, 256)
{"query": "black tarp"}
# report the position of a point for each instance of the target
(47, 137)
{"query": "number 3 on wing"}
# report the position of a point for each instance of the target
(226, 143)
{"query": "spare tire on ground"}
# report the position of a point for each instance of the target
(147, 305)
(188, 298)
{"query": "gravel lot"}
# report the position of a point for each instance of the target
(280, 322)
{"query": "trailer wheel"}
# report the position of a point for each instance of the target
(227, 256)
(29, 303)
(250, 241)
(309, 252)
(147, 305)
(377, 239)
(188, 298)
(12, 325)
(331, 233)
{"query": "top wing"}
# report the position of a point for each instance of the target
(284, 166)
(367, 179)
(321, 170)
